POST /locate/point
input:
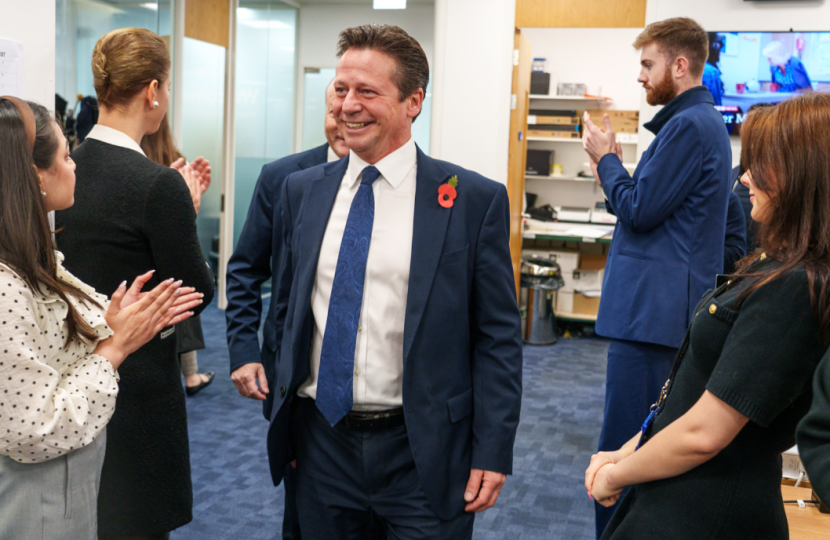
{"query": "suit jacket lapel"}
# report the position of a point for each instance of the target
(314, 217)
(428, 233)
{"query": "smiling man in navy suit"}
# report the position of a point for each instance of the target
(257, 253)
(398, 387)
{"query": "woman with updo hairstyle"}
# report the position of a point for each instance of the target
(62, 341)
(132, 215)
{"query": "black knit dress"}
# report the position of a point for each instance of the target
(132, 215)
(759, 357)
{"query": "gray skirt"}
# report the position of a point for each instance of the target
(53, 500)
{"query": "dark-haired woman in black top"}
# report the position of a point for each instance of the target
(131, 215)
(709, 464)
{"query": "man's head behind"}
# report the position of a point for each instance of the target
(380, 84)
(333, 135)
(673, 55)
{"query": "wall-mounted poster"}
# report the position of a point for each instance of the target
(11, 68)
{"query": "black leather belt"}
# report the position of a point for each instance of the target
(374, 420)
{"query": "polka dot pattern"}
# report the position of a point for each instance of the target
(53, 399)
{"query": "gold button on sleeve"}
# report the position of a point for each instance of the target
(713, 308)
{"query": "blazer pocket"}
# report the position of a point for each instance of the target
(461, 406)
(635, 255)
(452, 257)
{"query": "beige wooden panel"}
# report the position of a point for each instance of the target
(207, 20)
(581, 14)
(517, 152)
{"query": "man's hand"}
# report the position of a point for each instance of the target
(483, 490)
(597, 142)
(602, 490)
(245, 379)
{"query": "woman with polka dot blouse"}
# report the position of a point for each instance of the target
(61, 342)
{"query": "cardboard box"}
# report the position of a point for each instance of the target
(553, 134)
(621, 121)
(585, 305)
(587, 280)
(539, 119)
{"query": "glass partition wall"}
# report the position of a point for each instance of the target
(264, 101)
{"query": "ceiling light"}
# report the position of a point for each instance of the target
(390, 4)
(150, 5)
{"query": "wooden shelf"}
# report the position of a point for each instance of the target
(569, 98)
(566, 238)
(565, 178)
(577, 317)
(558, 140)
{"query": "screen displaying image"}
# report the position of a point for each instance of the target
(748, 68)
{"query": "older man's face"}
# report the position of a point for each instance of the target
(333, 134)
(367, 107)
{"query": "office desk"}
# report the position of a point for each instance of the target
(805, 523)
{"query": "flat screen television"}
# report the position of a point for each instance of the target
(746, 68)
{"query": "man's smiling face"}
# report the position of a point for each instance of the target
(367, 105)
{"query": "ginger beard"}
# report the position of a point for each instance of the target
(662, 92)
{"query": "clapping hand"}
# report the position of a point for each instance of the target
(598, 143)
(135, 325)
(196, 176)
(187, 298)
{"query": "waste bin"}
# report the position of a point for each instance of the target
(540, 278)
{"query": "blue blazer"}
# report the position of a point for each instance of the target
(257, 253)
(671, 222)
(462, 351)
(734, 248)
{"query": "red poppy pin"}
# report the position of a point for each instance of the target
(447, 193)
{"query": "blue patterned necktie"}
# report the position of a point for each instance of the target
(335, 380)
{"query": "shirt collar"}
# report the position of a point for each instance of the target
(393, 167)
(332, 156)
(114, 137)
(693, 96)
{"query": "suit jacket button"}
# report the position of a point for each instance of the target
(282, 391)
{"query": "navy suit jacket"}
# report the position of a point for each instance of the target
(671, 222)
(462, 350)
(734, 248)
(255, 259)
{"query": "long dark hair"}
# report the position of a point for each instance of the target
(26, 242)
(159, 146)
(786, 149)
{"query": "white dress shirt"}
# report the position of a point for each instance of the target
(378, 359)
(332, 156)
(114, 137)
(53, 400)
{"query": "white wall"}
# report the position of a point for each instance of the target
(33, 23)
(737, 16)
(473, 72)
(320, 25)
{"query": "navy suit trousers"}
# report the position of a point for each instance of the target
(349, 482)
(636, 373)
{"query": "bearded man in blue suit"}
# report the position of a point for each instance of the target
(398, 386)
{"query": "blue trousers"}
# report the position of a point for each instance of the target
(290, 519)
(349, 482)
(636, 373)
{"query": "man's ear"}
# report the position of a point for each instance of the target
(415, 103)
(680, 67)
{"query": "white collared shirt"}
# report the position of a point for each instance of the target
(378, 359)
(114, 137)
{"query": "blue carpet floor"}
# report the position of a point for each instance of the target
(564, 385)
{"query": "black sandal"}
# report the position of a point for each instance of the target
(193, 390)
